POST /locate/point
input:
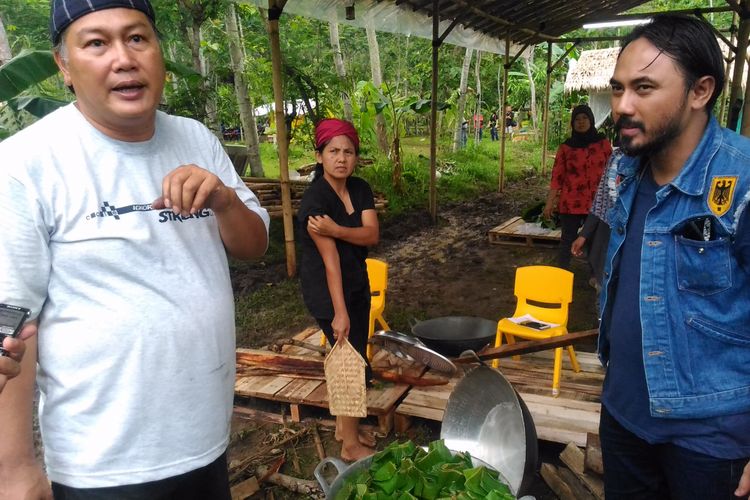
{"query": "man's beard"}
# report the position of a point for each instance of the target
(662, 136)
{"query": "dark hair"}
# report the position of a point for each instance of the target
(318, 172)
(690, 42)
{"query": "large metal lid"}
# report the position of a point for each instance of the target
(486, 417)
(412, 349)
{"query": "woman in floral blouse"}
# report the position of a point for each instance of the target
(579, 164)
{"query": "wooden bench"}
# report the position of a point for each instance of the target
(299, 390)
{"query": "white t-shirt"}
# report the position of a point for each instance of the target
(136, 337)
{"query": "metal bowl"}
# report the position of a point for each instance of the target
(344, 472)
(486, 417)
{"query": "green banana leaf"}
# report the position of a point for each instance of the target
(28, 68)
(182, 70)
(403, 471)
(32, 67)
(38, 106)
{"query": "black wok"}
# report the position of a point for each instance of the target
(452, 335)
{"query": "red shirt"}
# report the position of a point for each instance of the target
(576, 174)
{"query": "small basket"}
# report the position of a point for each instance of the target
(345, 381)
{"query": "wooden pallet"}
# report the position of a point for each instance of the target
(517, 232)
(299, 390)
(564, 419)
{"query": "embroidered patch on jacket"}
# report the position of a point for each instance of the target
(720, 195)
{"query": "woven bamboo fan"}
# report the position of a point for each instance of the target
(345, 381)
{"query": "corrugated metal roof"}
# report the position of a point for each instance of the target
(526, 21)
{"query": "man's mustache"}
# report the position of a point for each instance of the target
(626, 122)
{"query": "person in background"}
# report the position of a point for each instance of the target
(464, 133)
(593, 238)
(493, 127)
(510, 121)
(338, 222)
(121, 218)
(579, 164)
(478, 126)
(675, 329)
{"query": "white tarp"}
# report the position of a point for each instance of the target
(265, 109)
(600, 104)
(386, 16)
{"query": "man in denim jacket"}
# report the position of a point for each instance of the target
(675, 330)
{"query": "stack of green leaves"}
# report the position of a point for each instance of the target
(403, 471)
(534, 214)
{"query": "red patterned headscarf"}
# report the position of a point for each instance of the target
(329, 128)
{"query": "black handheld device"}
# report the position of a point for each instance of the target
(535, 325)
(12, 319)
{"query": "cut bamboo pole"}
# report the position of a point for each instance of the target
(506, 67)
(545, 120)
(275, 7)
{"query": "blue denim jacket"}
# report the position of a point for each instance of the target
(695, 307)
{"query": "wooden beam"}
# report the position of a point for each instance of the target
(719, 34)
(507, 350)
(470, 7)
(643, 15)
(735, 6)
(593, 457)
(506, 66)
(727, 72)
(275, 8)
(574, 458)
(562, 57)
(545, 117)
(735, 99)
(433, 110)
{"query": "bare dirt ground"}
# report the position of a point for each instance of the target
(451, 268)
(445, 269)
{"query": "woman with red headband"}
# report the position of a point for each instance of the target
(338, 220)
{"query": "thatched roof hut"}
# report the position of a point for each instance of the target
(592, 71)
(591, 74)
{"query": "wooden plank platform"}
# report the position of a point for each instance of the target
(300, 390)
(517, 232)
(564, 419)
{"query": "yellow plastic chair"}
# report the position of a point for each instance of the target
(377, 274)
(543, 292)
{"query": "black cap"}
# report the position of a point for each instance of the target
(64, 12)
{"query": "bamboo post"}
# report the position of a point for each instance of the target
(745, 128)
(739, 68)
(437, 41)
(741, 61)
(275, 7)
(433, 111)
(545, 120)
(506, 67)
(727, 72)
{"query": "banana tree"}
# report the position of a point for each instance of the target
(19, 79)
(394, 108)
(23, 88)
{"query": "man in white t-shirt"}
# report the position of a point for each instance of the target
(117, 222)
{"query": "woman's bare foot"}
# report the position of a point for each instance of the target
(365, 438)
(355, 452)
